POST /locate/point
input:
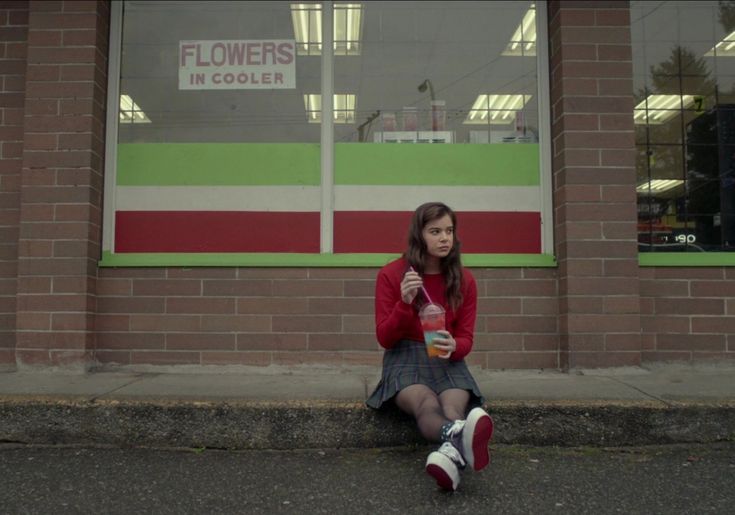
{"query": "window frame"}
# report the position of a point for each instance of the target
(326, 258)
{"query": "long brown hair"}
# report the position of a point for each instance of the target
(416, 253)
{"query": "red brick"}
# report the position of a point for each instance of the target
(63, 21)
(665, 324)
(498, 342)
(689, 342)
(307, 324)
(200, 341)
(664, 288)
(33, 321)
(541, 342)
(622, 342)
(599, 286)
(538, 288)
(112, 322)
(164, 358)
(617, 87)
(523, 360)
(614, 53)
(44, 38)
(612, 17)
(131, 305)
(505, 306)
(70, 284)
(358, 323)
(271, 341)
(341, 305)
(308, 288)
(343, 273)
(166, 287)
(619, 157)
(341, 341)
(577, 17)
(185, 323)
(713, 288)
(75, 322)
(621, 304)
(272, 273)
(581, 304)
(238, 323)
(601, 35)
(237, 288)
(575, 157)
(268, 305)
(713, 324)
(540, 306)
(208, 305)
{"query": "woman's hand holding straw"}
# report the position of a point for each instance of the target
(423, 290)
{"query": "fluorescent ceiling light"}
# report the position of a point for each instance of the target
(344, 108)
(659, 185)
(658, 109)
(495, 109)
(307, 28)
(130, 112)
(725, 48)
(523, 41)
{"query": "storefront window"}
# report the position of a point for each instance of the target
(219, 144)
(684, 80)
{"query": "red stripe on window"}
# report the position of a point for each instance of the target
(480, 232)
(216, 231)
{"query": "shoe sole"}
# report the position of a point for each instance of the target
(439, 467)
(478, 431)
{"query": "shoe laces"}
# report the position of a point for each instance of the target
(455, 429)
(450, 451)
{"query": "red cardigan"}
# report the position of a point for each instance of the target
(395, 320)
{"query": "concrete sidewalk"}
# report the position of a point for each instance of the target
(311, 407)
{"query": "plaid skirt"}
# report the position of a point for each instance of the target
(408, 363)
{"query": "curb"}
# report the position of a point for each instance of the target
(253, 425)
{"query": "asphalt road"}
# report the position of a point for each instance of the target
(650, 480)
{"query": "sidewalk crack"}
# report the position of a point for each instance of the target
(132, 381)
(654, 397)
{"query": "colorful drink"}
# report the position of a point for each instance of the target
(432, 321)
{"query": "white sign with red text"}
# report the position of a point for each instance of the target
(237, 64)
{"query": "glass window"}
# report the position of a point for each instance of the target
(684, 66)
(219, 143)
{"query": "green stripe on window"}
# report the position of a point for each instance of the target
(217, 164)
(501, 164)
(263, 164)
(686, 259)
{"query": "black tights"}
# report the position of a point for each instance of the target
(430, 410)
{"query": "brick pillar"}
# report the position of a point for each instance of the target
(61, 185)
(13, 34)
(595, 212)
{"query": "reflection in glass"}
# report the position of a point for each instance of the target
(684, 54)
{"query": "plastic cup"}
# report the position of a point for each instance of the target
(432, 321)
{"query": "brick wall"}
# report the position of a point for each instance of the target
(688, 314)
(13, 37)
(61, 182)
(598, 308)
(289, 316)
(594, 183)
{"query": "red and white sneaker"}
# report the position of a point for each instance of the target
(476, 435)
(444, 466)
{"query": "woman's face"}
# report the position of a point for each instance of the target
(439, 236)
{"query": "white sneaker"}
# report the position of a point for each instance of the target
(476, 434)
(444, 464)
